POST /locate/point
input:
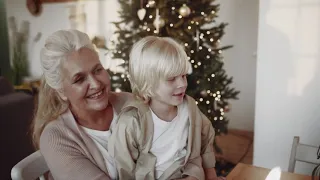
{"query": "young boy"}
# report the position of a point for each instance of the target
(162, 134)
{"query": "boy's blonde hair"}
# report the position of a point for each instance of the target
(152, 59)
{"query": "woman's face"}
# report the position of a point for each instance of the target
(86, 84)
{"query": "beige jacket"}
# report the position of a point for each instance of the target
(131, 141)
(69, 151)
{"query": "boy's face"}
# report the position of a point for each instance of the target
(171, 91)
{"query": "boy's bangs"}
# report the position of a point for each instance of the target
(174, 64)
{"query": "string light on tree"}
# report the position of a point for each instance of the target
(151, 3)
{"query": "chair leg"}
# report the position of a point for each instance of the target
(292, 160)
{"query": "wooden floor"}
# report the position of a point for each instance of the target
(237, 146)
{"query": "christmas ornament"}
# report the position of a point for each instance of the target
(158, 21)
(203, 93)
(227, 108)
(184, 10)
(152, 3)
(141, 13)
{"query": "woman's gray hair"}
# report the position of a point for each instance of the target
(57, 47)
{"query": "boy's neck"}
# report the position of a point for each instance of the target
(163, 111)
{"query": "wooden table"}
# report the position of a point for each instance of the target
(249, 172)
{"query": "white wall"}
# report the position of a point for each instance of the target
(240, 61)
(55, 16)
(288, 72)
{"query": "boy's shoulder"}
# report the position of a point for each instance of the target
(135, 105)
(134, 111)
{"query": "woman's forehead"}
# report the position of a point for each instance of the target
(80, 61)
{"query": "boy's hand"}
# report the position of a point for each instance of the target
(189, 178)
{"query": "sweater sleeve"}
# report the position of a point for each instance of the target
(65, 160)
(123, 146)
(207, 140)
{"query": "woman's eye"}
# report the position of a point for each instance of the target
(79, 80)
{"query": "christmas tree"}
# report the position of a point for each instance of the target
(193, 23)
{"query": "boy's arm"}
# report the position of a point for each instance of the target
(203, 167)
(123, 146)
(207, 150)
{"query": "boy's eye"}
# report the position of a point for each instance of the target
(171, 79)
(98, 69)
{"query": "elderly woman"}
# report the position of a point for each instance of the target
(76, 110)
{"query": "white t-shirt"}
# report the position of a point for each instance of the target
(170, 139)
(100, 138)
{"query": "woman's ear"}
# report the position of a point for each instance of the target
(62, 95)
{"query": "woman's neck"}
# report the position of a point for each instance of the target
(163, 111)
(97, 120)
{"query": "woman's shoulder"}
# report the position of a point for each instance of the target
(53, 129)
(121, 96)
(119, 99)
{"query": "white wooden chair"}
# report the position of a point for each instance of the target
(31, 167)
(303, 153)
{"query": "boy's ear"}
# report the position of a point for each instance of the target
(62, 95)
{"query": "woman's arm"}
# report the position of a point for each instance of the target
(65, 160)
